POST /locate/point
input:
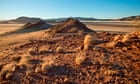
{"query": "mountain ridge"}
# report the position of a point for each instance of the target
(24, 19)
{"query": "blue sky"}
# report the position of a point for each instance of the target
(10, 9)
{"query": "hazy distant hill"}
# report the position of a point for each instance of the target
(26, 20)
(31, 19)
(76, 18)
(22, 20)
(130, 18)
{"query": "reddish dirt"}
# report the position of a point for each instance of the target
(119, 64)
(70, 26)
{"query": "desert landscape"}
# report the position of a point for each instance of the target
(69, 41)
(69, 52)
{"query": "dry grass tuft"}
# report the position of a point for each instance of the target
(37, 70)
(59, 49)
(43, 50)
(9, 67)
(111, 44)
(33, 51)
(47, 64)
(25, 60)
(16, 58)
(115, 41)
(125, 38)
(2, 75)
(88, 41)
(80, 58)
(25, 64)
(117, 38)
(11, 76)
(8, 72)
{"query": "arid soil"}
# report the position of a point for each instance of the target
(118, 64)
(110, 58)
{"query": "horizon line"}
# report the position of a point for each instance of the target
(66, 17)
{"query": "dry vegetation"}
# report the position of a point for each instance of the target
(80, 58)
(59, 50)
(89, 41)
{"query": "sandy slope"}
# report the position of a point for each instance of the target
(9, 27)
(112, 29)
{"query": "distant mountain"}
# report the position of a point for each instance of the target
(22, 20)
(76, 18)
(32, 19)
(130, 18)
(27, 19)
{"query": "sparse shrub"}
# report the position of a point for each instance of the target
(12, 76)
(111, 44)
(2, 54)
(80, 58)
(25, 63)
(88, 41)
(116, 38)
(37, 69)
(16, 58)
(47, 64)
(9, 75)
(25, 60)
(110, 72)
(9, 67)
(59, 49)
(43, 50)
(125, 38)
(33, 51)
(2, 75)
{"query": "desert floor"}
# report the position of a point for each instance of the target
(104, 62)
(9, 27)
(6, 41)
